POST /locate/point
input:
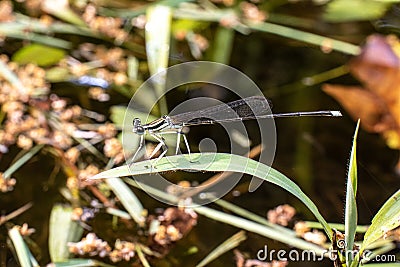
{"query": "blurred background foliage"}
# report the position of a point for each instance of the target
(69, 68)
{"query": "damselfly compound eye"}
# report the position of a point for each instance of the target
(137, 126)
(136, 122)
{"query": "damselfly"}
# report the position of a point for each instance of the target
(254, 107)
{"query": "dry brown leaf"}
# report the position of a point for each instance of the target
(378, 68)
(364, 105)
(378, 103)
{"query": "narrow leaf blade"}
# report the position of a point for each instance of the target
(128, 199)
(350, 219)
(21, 248)
(387, 218)
(217, 162)
(227, 245)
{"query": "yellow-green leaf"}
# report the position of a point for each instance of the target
(39, 54)
(353, 10)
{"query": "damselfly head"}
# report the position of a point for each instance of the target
(137, 126)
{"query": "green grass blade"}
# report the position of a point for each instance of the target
(237, 221)
(128, 199)
(133, 68)
(288, 32)
(23, 23)
(141, 256)
(350, 217)
(66, 14)
(124, 13)
(385, 220)
(118, 213)
(254, 217)
(223, 44)
(41, 39)
(80, 263)
(158, 31)
(33, 260)
(22, 160)
(227, 245)
(62, 230)
(217, 162)
(337, 226)
(306, 37)
(21, 248)
(158, 34)
(259, 229)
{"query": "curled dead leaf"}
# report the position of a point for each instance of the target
(378, 103)
(364, 105)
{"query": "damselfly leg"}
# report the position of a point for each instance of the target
(161, 145)
(178, 141)
(141, 145)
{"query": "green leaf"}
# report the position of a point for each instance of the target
(260, 229)
(129, 13)
(128, 199)
(21, 248)
(57, 74)
(227, 245)
(350, 219)
(133, 68)
(39, 54)
(337, 226)
(222, 46)
(119, 213)
(187, 25)
(305, 37)
(19, 31)
(254, 217)
(217, 162)
(387, 218)
(22, 160)
(141, 256)
(80, 263)
(62, 230)
(353, 10)
(66, 14)
(236, 221)
(158, 34)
